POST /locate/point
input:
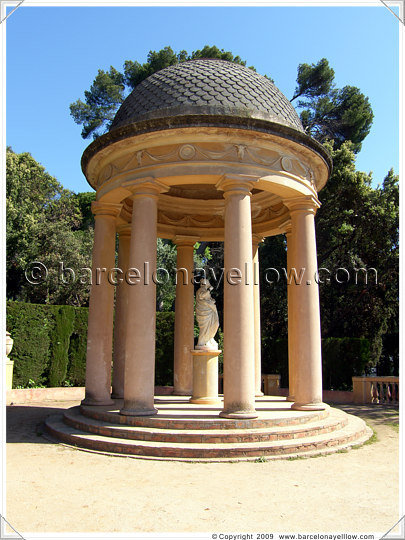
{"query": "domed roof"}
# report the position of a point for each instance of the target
(206, 87)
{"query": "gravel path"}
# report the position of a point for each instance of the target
(55, 488)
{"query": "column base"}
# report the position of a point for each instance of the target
(101, 402)
(206, 401)
(243, 415)
(259, 394)
(309, 406)
(290, 398)
(138, 412)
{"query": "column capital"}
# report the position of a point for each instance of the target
(184, 240)
(257, 239)
(286, 227)
(236, 183)
(124, 230)
(126, 212)
(100, 208)
(145, 187)
(308, 204)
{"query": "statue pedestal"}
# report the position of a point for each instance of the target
(205, 377)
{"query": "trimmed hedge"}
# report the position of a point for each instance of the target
(164, 348)
(50, 349)
(50, 345)
(30, 326)
(275, 359)
(388, 364)
(60, 341)
(42, 337)
(76, 369)
(342, 358)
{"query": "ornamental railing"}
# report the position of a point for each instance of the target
(384, 390)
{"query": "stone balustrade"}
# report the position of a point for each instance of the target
(382, 390)
(376, 390)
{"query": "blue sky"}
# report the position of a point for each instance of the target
(53, 54)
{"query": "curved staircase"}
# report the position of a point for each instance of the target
(188, 432)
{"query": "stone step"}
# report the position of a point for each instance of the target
(354, 432)
(179, 414)
(74, 418)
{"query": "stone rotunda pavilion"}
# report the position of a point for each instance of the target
(205, 150)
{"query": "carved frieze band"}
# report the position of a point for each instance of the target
(172, 218)
(241, 153)
(259, 215)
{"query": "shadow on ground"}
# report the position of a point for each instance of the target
(25, 423)
(376, 413)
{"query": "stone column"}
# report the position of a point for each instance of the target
(139, 382)
(239, 348)
(290, 302)
(101, 307)
(256, 240)
(184, 317)
(306, 329)
(121, 317)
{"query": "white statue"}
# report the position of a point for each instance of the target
(207, 317)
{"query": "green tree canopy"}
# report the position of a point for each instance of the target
(48, 224)
(357, 227)
(328, 113)
(101, 102)
(314, 80)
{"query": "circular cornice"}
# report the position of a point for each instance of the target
(215, 121)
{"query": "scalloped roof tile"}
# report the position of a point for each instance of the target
(202, 86)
